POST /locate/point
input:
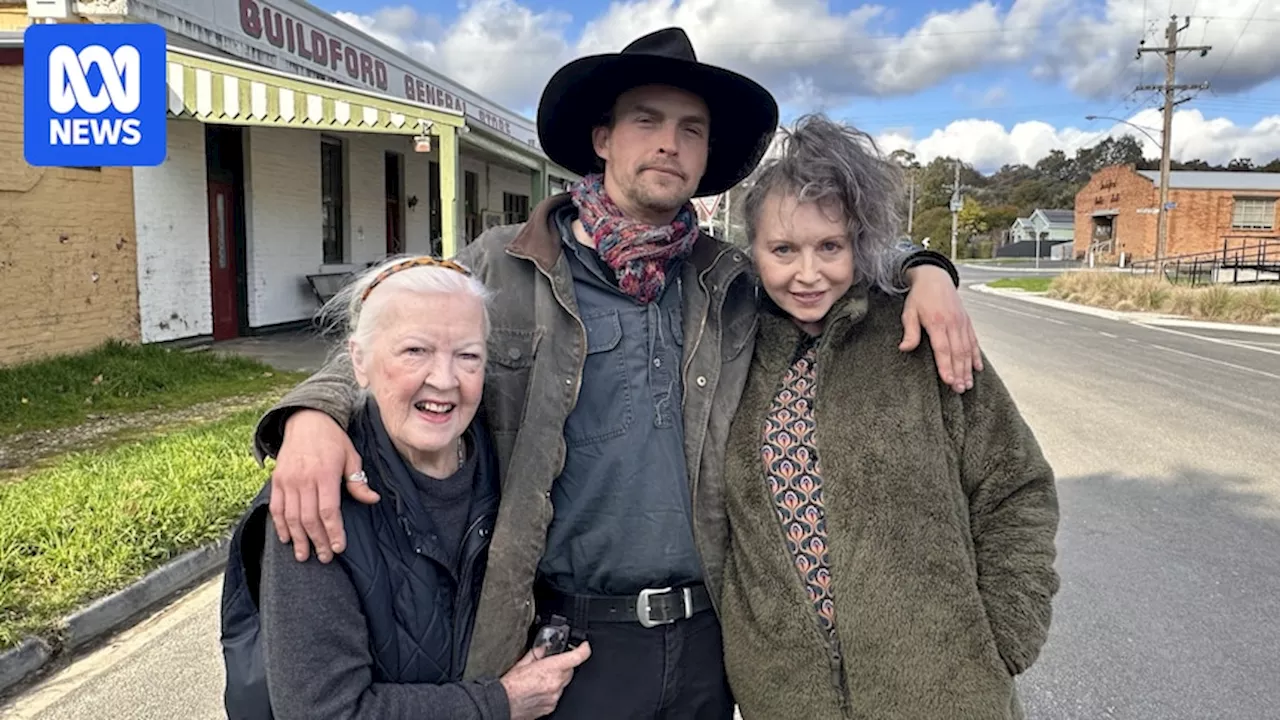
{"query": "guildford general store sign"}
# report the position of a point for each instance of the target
(299, 38)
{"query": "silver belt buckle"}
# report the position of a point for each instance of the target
(644, 609)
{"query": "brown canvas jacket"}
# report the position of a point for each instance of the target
(536, 354)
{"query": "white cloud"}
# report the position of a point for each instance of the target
(499, 48)
(817, 59)
(798, 48)
(1096, 54)
(987, 144)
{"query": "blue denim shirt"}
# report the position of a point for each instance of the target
(622, 515)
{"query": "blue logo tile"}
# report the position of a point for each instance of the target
(94, 95)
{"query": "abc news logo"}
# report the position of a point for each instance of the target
(121, 90)
(95, 95)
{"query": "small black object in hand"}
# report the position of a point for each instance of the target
(553, 637)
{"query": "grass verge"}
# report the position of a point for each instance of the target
(119, 378)
(1255, 305)
(1029, 284)
(94, 522)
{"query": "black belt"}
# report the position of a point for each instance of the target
(650, 607)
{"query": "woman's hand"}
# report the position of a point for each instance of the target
(535, 684)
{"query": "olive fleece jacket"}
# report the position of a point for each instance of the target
(941, 516)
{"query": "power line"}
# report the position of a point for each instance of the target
(1170, 88)
(1236, 43)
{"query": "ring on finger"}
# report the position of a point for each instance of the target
(358, 477)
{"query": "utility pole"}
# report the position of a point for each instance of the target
(1169, 88)
(911, 203)
(957, 202)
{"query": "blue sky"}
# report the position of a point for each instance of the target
(1015, 61)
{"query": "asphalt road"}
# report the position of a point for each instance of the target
(1165, 447)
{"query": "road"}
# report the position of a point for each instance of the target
(1164, 444)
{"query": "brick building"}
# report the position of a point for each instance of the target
(292, 151)
(1117, 212)
(68, 270)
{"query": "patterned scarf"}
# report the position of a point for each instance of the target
(638, 252)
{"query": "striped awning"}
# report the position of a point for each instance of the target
(213, 90)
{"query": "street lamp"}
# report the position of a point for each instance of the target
(1162, 217)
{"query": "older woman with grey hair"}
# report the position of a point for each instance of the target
(892, 542)
(383, 632)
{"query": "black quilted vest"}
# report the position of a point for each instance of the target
(418, 612)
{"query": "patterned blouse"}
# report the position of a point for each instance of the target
(790, 454)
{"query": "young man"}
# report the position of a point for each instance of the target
(620, 344)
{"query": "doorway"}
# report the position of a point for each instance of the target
(224, 180)
(394, 186)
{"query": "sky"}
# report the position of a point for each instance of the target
(988, 82)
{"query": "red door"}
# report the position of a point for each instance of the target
(222, 260)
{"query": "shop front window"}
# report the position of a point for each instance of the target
(332, 201)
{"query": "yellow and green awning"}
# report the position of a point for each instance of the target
(212, 90)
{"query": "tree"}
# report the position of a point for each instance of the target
(933, 223)
(1241, 165)
(1000, 218)
(972, 219)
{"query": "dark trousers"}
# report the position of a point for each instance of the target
(669, 672)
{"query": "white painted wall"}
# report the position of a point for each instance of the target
(366, 195)
(282, 188)
(283, 221)
(171, 211)
(494, 181)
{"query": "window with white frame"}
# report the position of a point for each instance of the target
(1253, 213)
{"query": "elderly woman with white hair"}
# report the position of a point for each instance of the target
(383, 632)
(892, 541)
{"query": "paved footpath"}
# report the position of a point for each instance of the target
(1164, 444)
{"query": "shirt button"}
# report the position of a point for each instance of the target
(657, 362)
(514, 353)
(702, 381)
(568, 381)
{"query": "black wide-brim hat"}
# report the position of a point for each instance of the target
(744, 116)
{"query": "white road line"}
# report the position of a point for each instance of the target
(1107, 334)
(1024, 314)
(1219, 341)
(1263, 373)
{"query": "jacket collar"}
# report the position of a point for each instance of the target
(780, 335)
(538, 241)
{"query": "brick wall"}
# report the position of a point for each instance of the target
(1118, 188)
(171, 205)
(68, 263)
(1200, 221)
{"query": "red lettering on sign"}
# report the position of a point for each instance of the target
(303, 52)
(366, 69)
(424, 92)
(319, 48)
(335, 53)
(353, 63)
(250, 21)
(273, 23)
(294, 36)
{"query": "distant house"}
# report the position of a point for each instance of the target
(1021, 230)
(1117, 211)
(1052, 227)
